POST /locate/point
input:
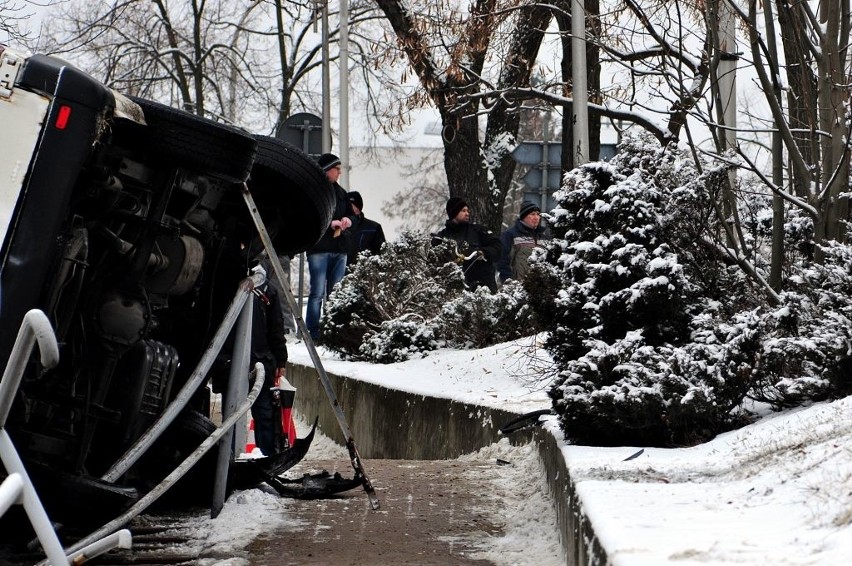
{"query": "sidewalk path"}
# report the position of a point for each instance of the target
(432, 512)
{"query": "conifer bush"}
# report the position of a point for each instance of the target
(657, 335)
(411, 299)
(622, 318)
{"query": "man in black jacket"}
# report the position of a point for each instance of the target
(477, 244)
(327, 258)
(366, 234)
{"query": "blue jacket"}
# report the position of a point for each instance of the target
(518, 243)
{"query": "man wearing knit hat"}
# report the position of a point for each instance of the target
(367, 235)
(474, 242)
(520, 240)
(327, 258)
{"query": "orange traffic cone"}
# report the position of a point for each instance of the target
(287, 394)
(250, 445)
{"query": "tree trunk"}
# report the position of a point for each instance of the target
(478, 170)
(802, 91)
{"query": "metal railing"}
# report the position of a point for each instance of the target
(17, 488)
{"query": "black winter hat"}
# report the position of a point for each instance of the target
(355, 198)
(527, 207)
(328, 161)
(454, 206)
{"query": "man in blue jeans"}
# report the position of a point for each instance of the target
(327, 258)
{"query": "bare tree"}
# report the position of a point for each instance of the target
(248, 63)
(193, 54)
(15, 17)
(815, 127)
(454, 53)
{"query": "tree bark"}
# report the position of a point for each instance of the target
(477, 170)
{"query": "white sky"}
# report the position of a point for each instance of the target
(777, 492)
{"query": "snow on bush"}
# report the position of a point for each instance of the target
(411, 299)
(657, 334)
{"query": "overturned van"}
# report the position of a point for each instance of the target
(122, 220)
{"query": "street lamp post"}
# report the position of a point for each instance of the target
(344, 91)
(579, 94)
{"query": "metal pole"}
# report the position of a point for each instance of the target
(354, 456)
(545, 161)
(236, 390)
(728, 73)
(580, 96)
(326, 84)
(301, 287)
(343, 63)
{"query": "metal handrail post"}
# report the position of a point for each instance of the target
(34, 328)
(237, 389)
(10, 492)
(144, 442)
(32, 505)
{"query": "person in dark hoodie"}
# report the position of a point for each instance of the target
(475, 242)
(327, 258)
(366, 234)
(269, 347)
(520, 240)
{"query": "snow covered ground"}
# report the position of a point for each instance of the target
(776, 492)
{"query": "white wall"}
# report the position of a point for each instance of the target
(379, 173)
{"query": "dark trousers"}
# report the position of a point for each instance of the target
(263, 412)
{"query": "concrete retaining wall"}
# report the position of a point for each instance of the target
(581, 544)
(387, 423)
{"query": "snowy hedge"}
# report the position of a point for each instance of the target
(411, 299)
(657, 335)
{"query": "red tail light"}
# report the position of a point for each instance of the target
(62, 117)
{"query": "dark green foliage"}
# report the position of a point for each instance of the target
(478, 319)
(625, 311)
(657, 334)
(411, 299)
(409, 280)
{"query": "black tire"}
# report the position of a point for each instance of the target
(190, 141)
(183, 436)
(524, 421)
(294, 196)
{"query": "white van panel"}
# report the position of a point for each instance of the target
(22, 117)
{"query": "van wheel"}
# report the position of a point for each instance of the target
(194, 142)
(183, 436)
(294, 197)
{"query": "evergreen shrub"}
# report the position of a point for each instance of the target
(657, 334)
(411, 299)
